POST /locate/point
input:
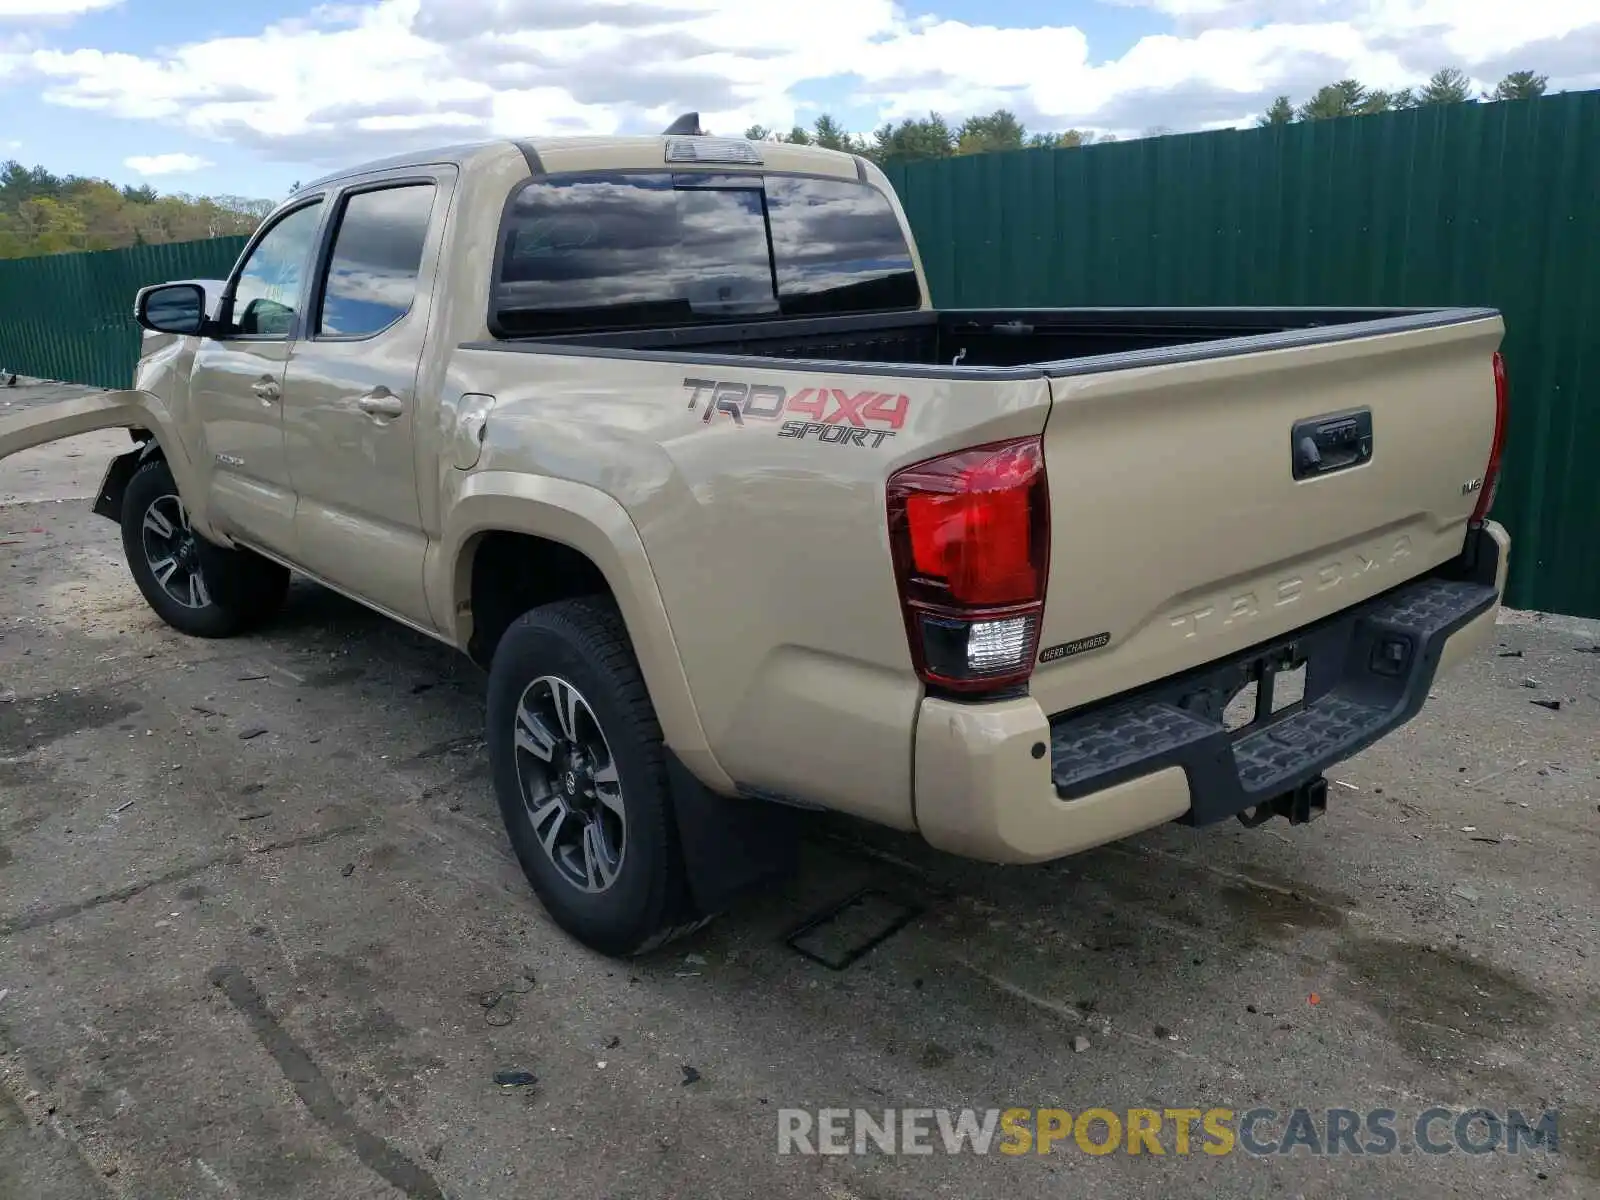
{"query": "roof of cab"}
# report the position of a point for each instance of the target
(567, 154)
(620, 153)
(459, 154)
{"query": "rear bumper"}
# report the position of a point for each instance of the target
(1005, 782)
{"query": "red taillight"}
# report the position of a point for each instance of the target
(1497, 448)
(970, 532)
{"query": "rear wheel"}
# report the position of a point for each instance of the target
(579, 771)
(196, 587)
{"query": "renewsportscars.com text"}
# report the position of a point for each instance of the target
(1165, 1131)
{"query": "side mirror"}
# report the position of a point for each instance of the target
(172, 308)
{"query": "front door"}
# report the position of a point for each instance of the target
(236, 385)
(350, 398)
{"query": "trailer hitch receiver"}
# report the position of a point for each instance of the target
(1301, 806)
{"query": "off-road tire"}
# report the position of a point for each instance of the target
(240, 588)
(583, 643)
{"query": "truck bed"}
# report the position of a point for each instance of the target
(1189, 522)
(1001, 342)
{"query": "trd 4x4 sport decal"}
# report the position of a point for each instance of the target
(838, 416)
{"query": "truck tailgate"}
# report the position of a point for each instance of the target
(1180, 532)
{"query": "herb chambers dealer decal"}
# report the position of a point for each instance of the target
(1081, 646)
(836, 416)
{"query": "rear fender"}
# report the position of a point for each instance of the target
(732, 844)
(595, 525)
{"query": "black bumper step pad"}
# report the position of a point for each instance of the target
(1317, 733)
(1106, 743)
(1368, 670)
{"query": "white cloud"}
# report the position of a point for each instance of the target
(1471, 30)
(359, 80)
(17, 9)
(165, 164)
(14, 50)
(1476, 30)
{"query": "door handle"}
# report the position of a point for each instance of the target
(266, 390)
(381, 404)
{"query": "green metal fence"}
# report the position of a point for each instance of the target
(1495, 204)
(70, 316)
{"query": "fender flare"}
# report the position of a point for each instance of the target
(596, 525)
(129, 409)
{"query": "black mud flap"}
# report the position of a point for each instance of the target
(1367, 672)
(731, 845)
(108, 500)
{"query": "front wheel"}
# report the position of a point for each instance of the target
(196, 587)
(578, 767)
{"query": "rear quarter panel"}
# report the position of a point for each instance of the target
(770, 552)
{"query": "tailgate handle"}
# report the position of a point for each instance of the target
(1334, 442)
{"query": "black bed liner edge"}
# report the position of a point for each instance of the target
(1401, 321)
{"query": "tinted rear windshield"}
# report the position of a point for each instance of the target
(620, 251)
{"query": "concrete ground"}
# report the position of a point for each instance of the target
(261, 936)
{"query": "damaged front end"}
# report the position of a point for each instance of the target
(69, 418)
(88, 414)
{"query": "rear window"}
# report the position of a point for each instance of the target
(619, 251)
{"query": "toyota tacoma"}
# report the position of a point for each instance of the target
(667, 435)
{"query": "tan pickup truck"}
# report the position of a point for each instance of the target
(665, 433)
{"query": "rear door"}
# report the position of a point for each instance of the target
(236, 383)
(349, 393)
(1187, 526)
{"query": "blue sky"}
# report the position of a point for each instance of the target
(196, 95)
(35, 131)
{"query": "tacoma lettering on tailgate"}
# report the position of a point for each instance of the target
(838, 416)
(1247, 606)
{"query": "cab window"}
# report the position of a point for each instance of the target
(377, 255)
(266, 297)
(613, 250)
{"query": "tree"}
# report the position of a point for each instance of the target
(1520, 85)
(244, 206)
(45, 213)
(1347, 98)
(925, 137)
(913, 139)
(1000, 130)
(1352, 98)
(830, 135)
(1280, 112)
(52, 226)
(1382, 101)
(106, 217)
(1342, 99)
(1446, 86)
(1065, 140)
(797, 136)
